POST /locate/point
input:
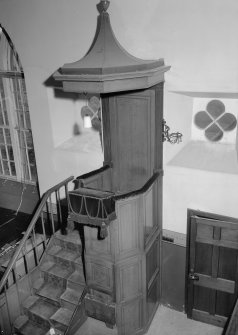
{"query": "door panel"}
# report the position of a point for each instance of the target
(132, 119)
(212, 268)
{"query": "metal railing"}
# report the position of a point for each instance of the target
(49, 216)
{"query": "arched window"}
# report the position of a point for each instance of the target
(17, 158)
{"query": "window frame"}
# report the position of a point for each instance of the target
(15, 116)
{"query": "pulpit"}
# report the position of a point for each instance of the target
(120, 205)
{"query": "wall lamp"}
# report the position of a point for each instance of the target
(170, 137)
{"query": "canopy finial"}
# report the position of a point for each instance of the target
(103, 6)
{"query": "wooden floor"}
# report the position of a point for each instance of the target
(170, 322)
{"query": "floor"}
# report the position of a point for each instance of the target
(170, 322)
(166, 322)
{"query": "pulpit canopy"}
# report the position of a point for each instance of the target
(107, 66)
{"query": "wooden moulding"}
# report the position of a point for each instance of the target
(108, 67)
(108, 84)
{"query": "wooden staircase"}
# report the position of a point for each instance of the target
(58, 286)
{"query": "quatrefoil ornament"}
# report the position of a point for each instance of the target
(215, 120)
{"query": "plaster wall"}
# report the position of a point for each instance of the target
(198, 40)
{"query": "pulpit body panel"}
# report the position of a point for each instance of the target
(124, 269)
(124, 198)
(132, 132)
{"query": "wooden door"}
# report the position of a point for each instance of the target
(212, 268)
(132, 119)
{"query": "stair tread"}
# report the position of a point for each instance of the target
(63, 316)
(67, 255)
(38, 283)
(43, 309)
(75, 277)
(70, 237)
(20, 321)
(57, 332)
(72, 295)
(32, 328)
(95, 327)
(47, 265)
(54, 250)
(60, 271)
(30, 301)
(78, 260)
(51, 291)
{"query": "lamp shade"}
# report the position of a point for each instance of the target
(87, 122)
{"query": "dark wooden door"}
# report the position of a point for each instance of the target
(132, 119)
(212, 268)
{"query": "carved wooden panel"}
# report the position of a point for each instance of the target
(100, 180)
(99, 274)
(213, 261)
(152, 262)
(149, 213)
(129, 226)
(126, 265)
(94, 245)
(130, 316)
(152, 298)
(153, 209)
(129, 279)
(100, 310)
(132, 139)
(158, 122)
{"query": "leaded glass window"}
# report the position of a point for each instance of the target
(17, 158)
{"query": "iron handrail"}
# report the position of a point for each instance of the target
(30, 228)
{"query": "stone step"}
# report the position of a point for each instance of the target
(66, 257)
(71, 241)
(52, 292)
(70, 298)
(61, 318)
(95, 327)
(46, 265)
(20, 322)
(37, 284)
(54, 249)
(39, 310)
(56, 273)
(29, 327)
(24, 326)
(30, 301)
(76, 278)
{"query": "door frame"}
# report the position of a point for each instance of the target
(208, 215)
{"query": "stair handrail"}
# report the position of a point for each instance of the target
(30, 228)
(78, 307)
(230, 329)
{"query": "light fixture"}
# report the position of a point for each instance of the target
(170, 137)
(87, 123)
(91, 113)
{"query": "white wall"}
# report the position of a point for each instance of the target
(197, 38)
